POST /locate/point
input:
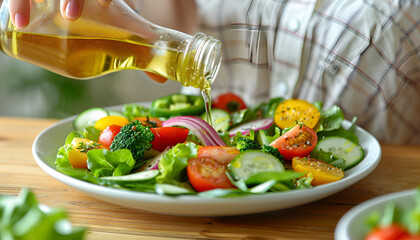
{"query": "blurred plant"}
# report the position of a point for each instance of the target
(48, 94)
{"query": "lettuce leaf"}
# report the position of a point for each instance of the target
(330, 119)
(132, 111)
(172, 165)
(341, 132)
(102, 162)
(23, 218)
(90, 133)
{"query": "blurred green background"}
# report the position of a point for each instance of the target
(30, 91)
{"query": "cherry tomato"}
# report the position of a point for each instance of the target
(322, 172)
(297, 142)
(391, 232)
(222, 154)
(292, 110)
(150, 121)
(410, 237)
(108, 134)
(168, 137)
(207, 173)
(229, 102)
(78, 153)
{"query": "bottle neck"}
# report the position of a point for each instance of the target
(199, 63)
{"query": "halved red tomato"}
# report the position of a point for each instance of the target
(108, 134)
(223, 154)
(206, 173)
(297, 142)
(393, 231)
(168, 137)
(229, 102)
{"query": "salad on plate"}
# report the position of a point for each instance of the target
(395, 222)
(172, 147)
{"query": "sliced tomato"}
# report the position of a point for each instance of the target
(321, 171)
(411, 237)
(150, 121)
(207, 173)
(168, 137)
(297, 142)
(222, 154)
(391, 232)
(291, 111)
(78, 153)
(108, 134)
(229, 102)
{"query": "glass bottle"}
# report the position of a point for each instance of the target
(106, 39)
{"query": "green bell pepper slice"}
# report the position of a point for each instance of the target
(177, 105)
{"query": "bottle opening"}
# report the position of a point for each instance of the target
(200, 62)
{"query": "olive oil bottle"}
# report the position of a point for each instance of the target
(106, 39)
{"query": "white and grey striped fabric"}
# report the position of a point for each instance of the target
(363, 55)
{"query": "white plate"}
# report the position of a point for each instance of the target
(353, 224)
(47, 143)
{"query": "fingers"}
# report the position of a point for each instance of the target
(71, 9)
(156, 78)
(20, 12)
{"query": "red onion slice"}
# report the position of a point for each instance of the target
(204, 132)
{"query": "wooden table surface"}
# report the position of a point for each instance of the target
(398, 170)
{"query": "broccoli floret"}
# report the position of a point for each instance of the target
(134, 137)
(244, 144)
(271, 150)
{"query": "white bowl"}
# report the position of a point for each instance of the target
(47, 143)
(352, 225)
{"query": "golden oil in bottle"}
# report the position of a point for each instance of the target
(109, 39)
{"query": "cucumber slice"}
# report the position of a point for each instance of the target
(169, 189)
(342, 148)
(220, 118)
(251, 162)
(135, 177)
(88, 118)
(115, 113)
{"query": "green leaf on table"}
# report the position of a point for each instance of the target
(22, 217)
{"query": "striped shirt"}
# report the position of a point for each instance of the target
(362, 55)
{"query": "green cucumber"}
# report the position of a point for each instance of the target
(115, 113)
(220, 118)
(251, 162)
(342, 148)
(134, 177)
(89, 117)
(169, 189)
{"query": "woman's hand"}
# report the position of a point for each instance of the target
(70, 9)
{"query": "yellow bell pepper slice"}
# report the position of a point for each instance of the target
(104, 122)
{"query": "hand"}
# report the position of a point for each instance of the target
(70, 9)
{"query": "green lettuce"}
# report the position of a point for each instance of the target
(172, 165)
(22, 217)
(102, 162)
